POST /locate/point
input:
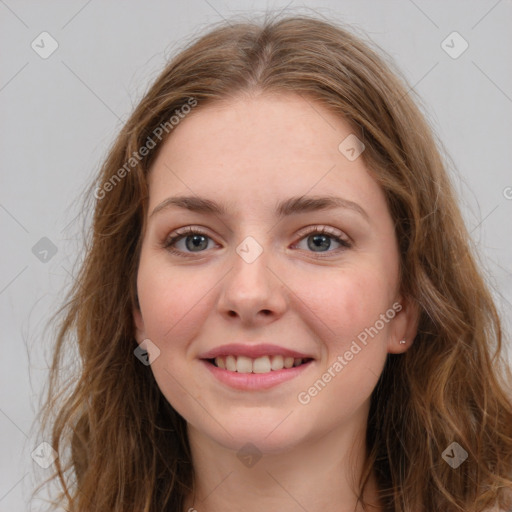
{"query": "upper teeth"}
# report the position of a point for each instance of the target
(264, 364)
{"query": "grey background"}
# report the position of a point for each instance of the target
(59, 115)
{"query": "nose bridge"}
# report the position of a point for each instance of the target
(250, 275)
(250, 289)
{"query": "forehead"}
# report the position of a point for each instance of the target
(251, 149)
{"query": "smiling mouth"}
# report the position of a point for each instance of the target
(263, 364)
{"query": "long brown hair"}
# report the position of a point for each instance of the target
(128, 448)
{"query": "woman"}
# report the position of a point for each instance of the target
(279, 308)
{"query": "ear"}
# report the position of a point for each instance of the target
(140, 332)
(404, 326)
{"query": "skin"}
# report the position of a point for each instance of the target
(249, 153)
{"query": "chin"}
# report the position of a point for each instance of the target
(267, 436)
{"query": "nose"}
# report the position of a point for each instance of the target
(251, 292)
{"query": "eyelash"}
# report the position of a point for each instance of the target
(312, 230)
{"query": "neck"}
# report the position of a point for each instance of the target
(320, 474)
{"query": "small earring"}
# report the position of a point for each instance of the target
(402, 342)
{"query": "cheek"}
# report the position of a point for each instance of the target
(174, 305)
(351, 300)
(172, 301)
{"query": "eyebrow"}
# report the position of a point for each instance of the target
(293, 205)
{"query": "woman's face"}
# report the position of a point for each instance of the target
(261, 275)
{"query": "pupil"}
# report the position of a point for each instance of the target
(196, 242)
(319, 241)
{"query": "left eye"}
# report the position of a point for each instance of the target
(321, 241)
(192, 240)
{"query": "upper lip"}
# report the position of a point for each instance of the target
(253, 351)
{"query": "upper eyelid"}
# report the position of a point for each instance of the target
(328, 230)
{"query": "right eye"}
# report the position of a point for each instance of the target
(192, 240)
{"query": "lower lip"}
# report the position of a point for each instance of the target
(255, 381)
